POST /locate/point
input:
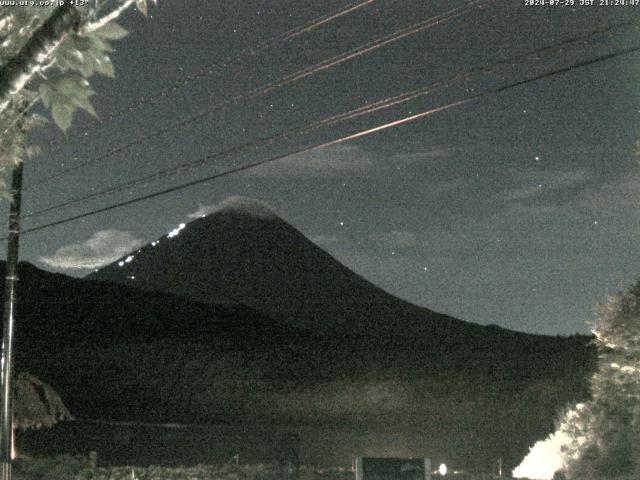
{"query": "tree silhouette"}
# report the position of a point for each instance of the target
(49, 54)
(605, 431)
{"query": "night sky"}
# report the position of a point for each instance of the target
(520, 208)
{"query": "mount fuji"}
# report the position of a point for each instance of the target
(243, 253)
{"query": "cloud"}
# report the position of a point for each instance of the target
(104, 247)
(322, 162)
(551, 185)
(236, 203)
(204, 210)
(425, 153)
(617, 197)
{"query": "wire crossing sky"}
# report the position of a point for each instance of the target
(329, 143)
(515, 204)
(287, 80)
(222, 65)
(367, 109)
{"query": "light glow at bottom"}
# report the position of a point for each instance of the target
(543, 460)
(546, 457)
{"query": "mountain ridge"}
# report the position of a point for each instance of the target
(234, 255)
(290, 337)
(118, 353)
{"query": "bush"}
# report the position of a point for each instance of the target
(63, 467)
(605, 431)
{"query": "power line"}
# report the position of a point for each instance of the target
(345, 138)
(465, 75)
(376, 44)
(226, 62)
(386, 103)
(331, 120)
(288, 79)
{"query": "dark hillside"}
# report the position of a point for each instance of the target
(118, 353)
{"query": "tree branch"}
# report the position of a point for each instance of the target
(19, 70)
(115, 13)
(4, 21)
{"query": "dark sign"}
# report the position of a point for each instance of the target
(371, 468)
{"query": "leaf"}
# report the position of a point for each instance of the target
(45, 94)
(65, 95)
(111, 31)
(68, 84)
(100, 43)
(105, 67)
(81, 100)
(142, 6)
(70, 54)
(79, 42)
(62, 114)
(87, 55)
(70, 58)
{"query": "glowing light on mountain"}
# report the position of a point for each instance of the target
(120, 263)
(128, 259)
(176, 231)
(442, 469)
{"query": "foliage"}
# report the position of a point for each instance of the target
(218, 472)
(73, 468)
(36, 404)
(17, 25)
(61, 76)
(66, 467)
(63, 467)
(76, 59)
(79, 57)
(605, 431)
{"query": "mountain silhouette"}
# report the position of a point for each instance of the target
(115, 352)
(243, 253)
(238, 318)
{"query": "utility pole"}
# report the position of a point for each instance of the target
(6, 361)
(14, 75)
